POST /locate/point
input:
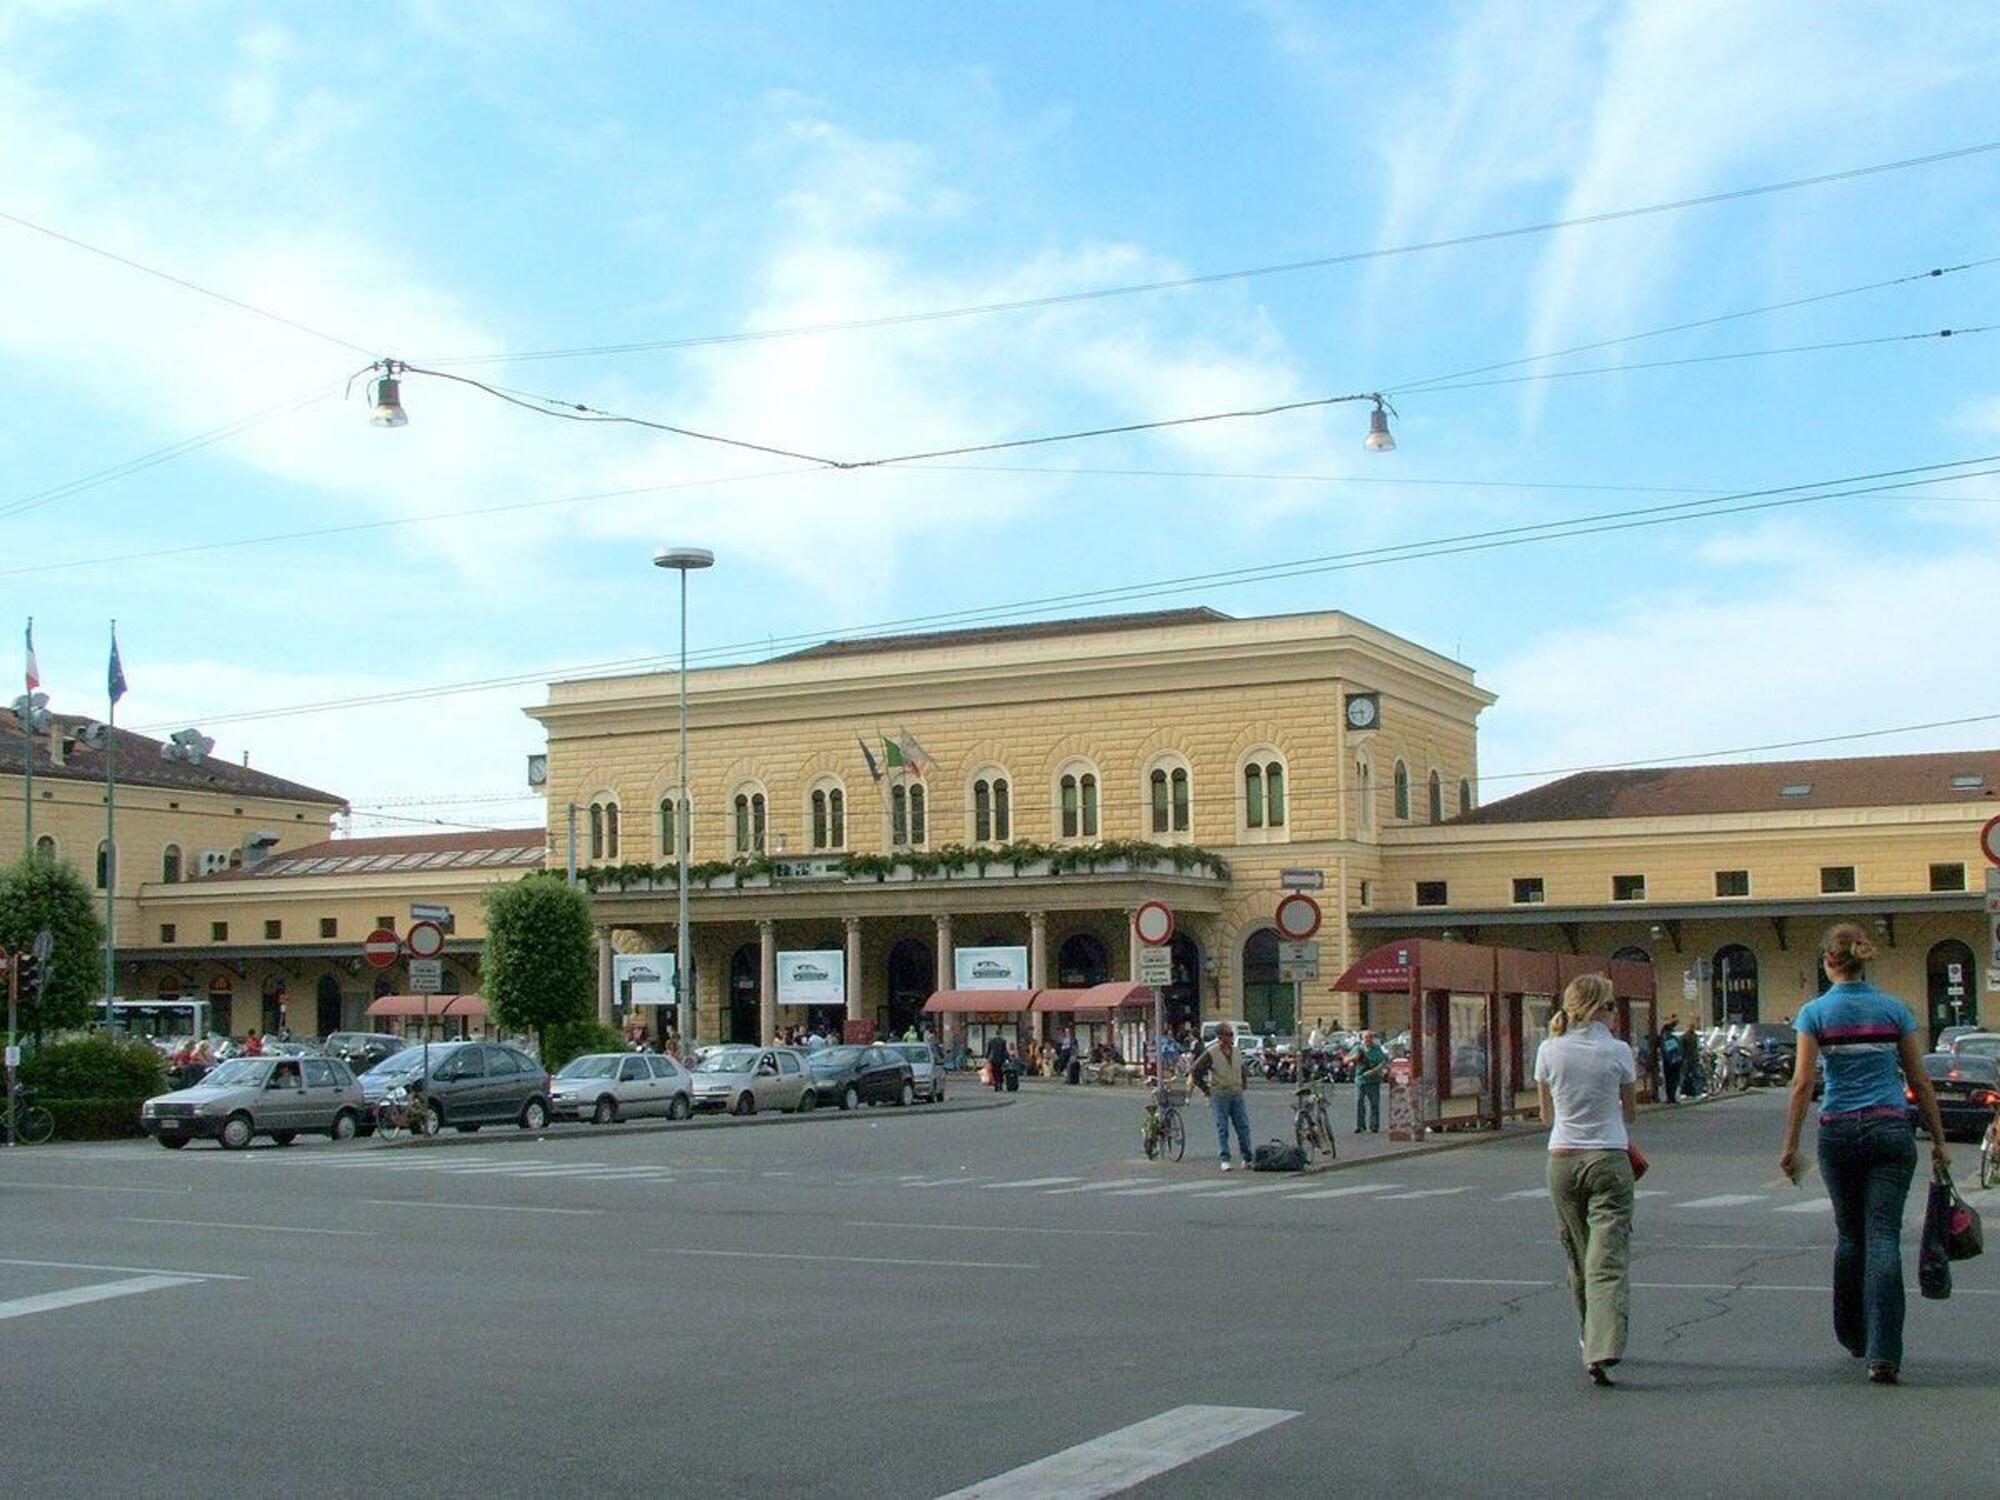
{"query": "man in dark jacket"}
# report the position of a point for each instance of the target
(996, 1060)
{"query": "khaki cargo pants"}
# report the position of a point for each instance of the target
(1592, 1191)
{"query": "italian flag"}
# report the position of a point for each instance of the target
(34, 670)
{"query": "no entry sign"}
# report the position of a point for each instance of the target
(1154, 923)
(1989, 840)
(1298, 917)
(381, 948)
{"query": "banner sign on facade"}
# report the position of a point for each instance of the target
(990, 968)
(813, 977)
(650, 975)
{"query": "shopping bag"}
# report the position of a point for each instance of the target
(1964, 1236)
(1933, 1258)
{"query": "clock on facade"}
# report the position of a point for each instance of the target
(1364, 710)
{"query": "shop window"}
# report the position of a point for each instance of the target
(1628, 888)
(170, 864)
(218, 932)
(1836, 880)
(1947, 877)
(1402, 791)
(1437, 797)
(166, 932)
(1528, 890)
(273, 930)
(329, 927)
(1732, 882)
(1433, 893)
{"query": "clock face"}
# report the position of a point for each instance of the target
(1361, 713)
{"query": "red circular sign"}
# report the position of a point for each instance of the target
(1298, 916)
(1989, 840)
(381, 948)
(425, 940)
(1154, 923)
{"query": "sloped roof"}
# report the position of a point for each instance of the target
(985, 635)
(139, 764)
(483, 848)
(1764, 786)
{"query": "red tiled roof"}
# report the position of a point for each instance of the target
(139, 764)
(984, 635)
(1763, 786)
(481, 848)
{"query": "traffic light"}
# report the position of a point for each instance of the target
(29, 969)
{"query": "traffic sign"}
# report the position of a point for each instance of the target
(1298, 916)
(1156, 964)
(1298, 960)
(1302, 880)
(1154, 922)
(426, 940)
(426, 976)
(1989, 840)
(1993, 893)
(381, 948)
(430, 911)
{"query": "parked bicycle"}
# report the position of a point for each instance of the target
(402, 1112)
(1312, 1127)
(1162, 1132)
(32, 1123)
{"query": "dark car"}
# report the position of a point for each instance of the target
(469, 1084)
(863, 1075)
(362, 1050)
(1968, 1090)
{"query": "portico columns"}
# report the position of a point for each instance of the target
(947, 973)
(767, 979)
(1038, 950)
(606, 991)
(853, 929)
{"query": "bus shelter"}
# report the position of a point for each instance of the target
(1476, 1016)
(449, 1017)
(1119, 1015)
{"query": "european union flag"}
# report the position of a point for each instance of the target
(116, 678)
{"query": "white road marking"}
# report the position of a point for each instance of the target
(1344, 1192)
(1164, 1187)
(1821, 1289)
(92, 1187)
(1649, 1192)
(1423, 1193)
(528, 1169)
(273, 1228)
(102, 1291)
(854, 1260)
(938, 1182)
(1246, 1192)
(1724, 1200)
(1540, 1192)
(1810, 1206)
(84, 1265)
(485, 1208)
(1032, 1182)
(990, 1228)
(1118, 1461)
(1101, 1187)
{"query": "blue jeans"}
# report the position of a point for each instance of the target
(1868, 1164)
(1231, 1108)
(1368, 1107)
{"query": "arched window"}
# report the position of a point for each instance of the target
(1402, 791)
(1264, 792)
(669, 829)
(918, 833)
(170, 864)
(1169, 801)
(104, 871)
(750, 819)
(597, 830)
(826, 811)
(906, 814)
(1082, 961)
(1076, 796)
(1464, 794)
(1437, 798)
(1253, 795)
(1364, 794)
(992, 808)
(46, 847)
(611, 830)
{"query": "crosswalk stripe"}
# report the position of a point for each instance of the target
(1344, 1192)
(1164, 1187)
(1032, 1182)
(938, 1182)
(1810, 1206)
(1424, 1193)
(1540, 1192)
(1649, 1192)
(1100, 1187)
(1245, 1192)
(1724, 1200)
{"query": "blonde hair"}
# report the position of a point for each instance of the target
(1846, 948)
(1588, 997)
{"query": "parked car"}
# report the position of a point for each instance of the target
(926, 1068)
(1951, 1034)
(744, 1080)
(246, 1097)
(469, 1084)
(1977, 1044)
(361, 1050)
(1968, 1091)
(606, 1087)
(863, 1075)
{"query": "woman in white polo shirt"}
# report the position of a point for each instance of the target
(1586, 1078)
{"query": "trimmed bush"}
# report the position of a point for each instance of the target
(574, 1040)
(96, 1067)
(93, 1119)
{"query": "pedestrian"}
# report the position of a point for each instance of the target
(1670, 1059)
(253, 1045)
(1587, 1080)
(1691, 1077)
(1867, 1043)
(1219, 1074)
(1169, 1056)
(1371, 1066)
(996, 1060)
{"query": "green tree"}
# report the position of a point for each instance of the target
(539, 969)
(37, 893)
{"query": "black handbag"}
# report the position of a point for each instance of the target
(1964, 1235)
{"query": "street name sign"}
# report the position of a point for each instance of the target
(426, 976)
(1156, 964)
(1298, 960)
(433, 911)
(1302, 880)
(381, 948)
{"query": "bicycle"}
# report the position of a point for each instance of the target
(1989, 1151)
(32, 1124)
(1311, 1126)
(1162, 1132)
(403, 1110)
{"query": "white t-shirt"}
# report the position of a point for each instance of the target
(1584, 1071)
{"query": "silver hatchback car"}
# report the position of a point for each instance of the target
(606, 1087)
(743, 1080)
(926, 1068)
(246, 1097)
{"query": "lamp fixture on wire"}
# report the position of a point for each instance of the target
(1380, 439)
(385, 392)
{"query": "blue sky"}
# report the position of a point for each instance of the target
(482, 180)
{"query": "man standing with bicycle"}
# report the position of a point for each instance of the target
(1219, 1074)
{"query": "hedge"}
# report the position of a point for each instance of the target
(93, 1119)
(96, 1067)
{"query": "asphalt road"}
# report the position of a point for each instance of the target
(905, 1304)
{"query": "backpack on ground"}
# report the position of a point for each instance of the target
(1276, 1156)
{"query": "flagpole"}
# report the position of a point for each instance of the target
(111, 687)
(28, 747)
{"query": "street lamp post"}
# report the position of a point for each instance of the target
(683, 560)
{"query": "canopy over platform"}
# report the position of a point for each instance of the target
(1475, 969)
(1118, 994)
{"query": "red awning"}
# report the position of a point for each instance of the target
(1063, 1000)
(967, 1001)
(411, 1007)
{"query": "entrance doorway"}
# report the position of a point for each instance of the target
(1734, 985)
(328, 1001)
(1181, 999)
(912, 979)
(276, 1003)
(1081, 962)
(1952, 987)
(1267, 999)
(742, 1020)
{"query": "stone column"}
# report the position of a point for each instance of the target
(1038, 967)
(1132, 945)
(767, 979)
(949, 1025)
(852, 926)
(606, 991)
